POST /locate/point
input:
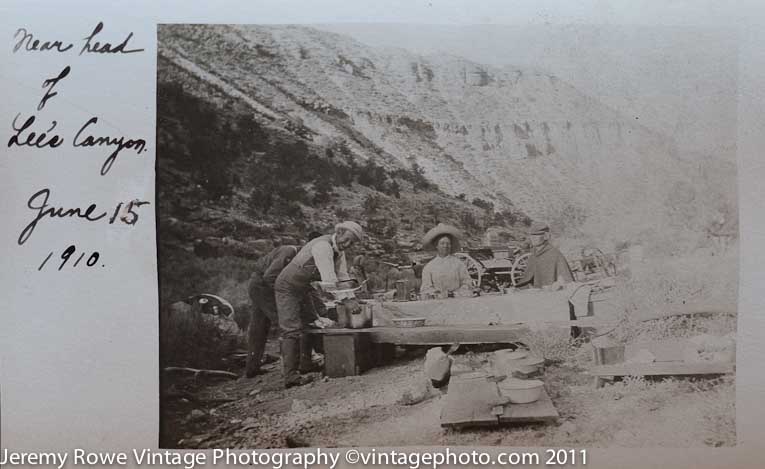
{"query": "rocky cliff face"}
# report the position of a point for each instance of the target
(506, 135)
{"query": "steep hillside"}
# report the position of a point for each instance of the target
(232, 183)
(504, 135)
(216, 154)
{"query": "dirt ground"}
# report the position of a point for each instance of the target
(394, 406)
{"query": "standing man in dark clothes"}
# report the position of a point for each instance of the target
(261, 290)
(546, 265)
(263, 312)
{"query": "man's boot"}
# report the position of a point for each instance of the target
(257, 335)
(291, 362)
(307, 364)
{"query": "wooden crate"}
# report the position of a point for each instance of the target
(346, 353)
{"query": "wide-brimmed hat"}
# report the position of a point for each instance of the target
(440, 230)
(539, 228)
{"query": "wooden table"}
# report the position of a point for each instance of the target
(488, 319)
(352, 351)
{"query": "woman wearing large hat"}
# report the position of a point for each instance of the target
(446, 275)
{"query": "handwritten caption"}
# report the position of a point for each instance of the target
(33, 130)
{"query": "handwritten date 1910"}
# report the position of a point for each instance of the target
(67, 254)
(39, 203)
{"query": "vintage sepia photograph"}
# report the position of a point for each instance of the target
(393, 235)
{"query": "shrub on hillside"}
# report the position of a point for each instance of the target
(372, 203)
(415, 176)
(469, 221)
(484, 204)
(322, 195)
(506, 218)
(393, 188)
(183, 274)
(372, 175)
(191, 131)
(341, 213)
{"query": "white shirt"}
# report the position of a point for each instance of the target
(331, 271)
(446, 274)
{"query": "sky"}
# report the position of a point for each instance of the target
(679, 80)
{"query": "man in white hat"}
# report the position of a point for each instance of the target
(321, 259)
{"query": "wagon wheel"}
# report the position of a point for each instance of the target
(474, 268)
(519, 268)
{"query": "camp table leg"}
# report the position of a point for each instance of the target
(599, 382)
(384, 353)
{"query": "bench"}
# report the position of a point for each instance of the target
(668, 360)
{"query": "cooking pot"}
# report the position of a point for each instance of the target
(521, 391)
(529, 364)
(505, 362)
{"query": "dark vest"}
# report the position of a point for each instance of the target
(282, 253)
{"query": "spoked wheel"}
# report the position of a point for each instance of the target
(474, 268)
(519, 268)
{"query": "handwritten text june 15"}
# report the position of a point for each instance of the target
(38, 131)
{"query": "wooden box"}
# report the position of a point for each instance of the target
(346, 353)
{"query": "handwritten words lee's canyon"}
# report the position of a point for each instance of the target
(26, 131)
(33, 130)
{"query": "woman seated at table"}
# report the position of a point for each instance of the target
(446, 275)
